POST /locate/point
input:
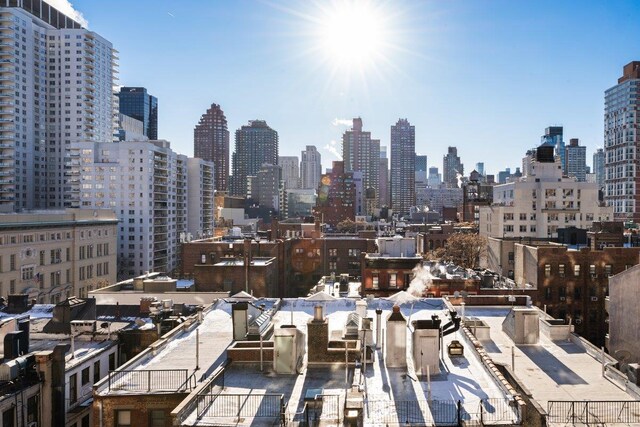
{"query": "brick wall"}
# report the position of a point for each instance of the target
(139, 405)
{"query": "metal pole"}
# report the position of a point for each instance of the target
(261, 369)
(428, 383)
(197, 349)
(513, 359)
(602, 356)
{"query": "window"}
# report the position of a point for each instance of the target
(85, 376)
(607, 269)
(523, 228)
(85, 421)
(576, 270)
(592, 271)
(32, 409)
(73, 388)
(354, 252)
(112, 362)
(8, 418)
(157, 418)
(375, 283)
(333, 266)
(123, 418)
(27, 273)
(333, 252)
(96, 372)
(523, 217)
(561, 270)
(393, 280)
(547, 270)
(12, 263)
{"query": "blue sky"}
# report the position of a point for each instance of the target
(485, 76)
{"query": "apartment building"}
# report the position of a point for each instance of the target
(50, 255)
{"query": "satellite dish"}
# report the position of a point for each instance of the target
(456, 294)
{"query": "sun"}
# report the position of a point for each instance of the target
(352, 34)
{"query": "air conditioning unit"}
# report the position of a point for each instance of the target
(594, 298)
(563, 298)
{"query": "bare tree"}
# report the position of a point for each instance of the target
(462, 249)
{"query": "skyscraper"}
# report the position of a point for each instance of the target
(621, 143)
(434, 179)
(310, 167)
(403, 166)
(553, 136)
(451, 168)
(384, 177)
(55, 110)
(211, 142)
(421, 172)
(256, 144)
(598, 167)
(137, 103)
(361, 153)
(576, 159)
(290, 166)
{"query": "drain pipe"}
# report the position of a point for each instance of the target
(378, 327)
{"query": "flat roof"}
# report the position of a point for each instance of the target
(465, 379)
(551, 370)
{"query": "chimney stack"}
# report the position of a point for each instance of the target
(318, 315)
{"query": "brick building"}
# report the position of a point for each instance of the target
(336, 196)
(572, 284)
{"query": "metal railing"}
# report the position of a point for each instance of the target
(160, 380)
(241, 406)
(593, 412)
(442, 412)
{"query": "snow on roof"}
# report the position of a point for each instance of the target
(402, 297)
(321, 296)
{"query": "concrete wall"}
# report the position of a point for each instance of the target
(624, 313)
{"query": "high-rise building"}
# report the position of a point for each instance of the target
(421, 177)
(504, 175)
(336, 196)
(211, 143)
(452, 168)
(435, 179)
(576, 160)
(553, 137)
(268, 185)
(598, 167)
(165, 195)
(137, 103)
(256, 144)
(540, 203)
(361, 153)
(290, 166)
(384, 177)
(310, 167)
(621, 143)
(55, 109)
(403, 166)
(480, 168)
(129, 129)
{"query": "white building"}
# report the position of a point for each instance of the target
(56, 89)
(538, 204)
(290, 166)
(154, 194)
(129, 129)
(311, 167)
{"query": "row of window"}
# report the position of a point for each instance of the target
(593, 270)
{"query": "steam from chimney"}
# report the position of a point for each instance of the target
(459, 178)
(422, 280)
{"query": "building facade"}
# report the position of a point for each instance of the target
(61, 76)
(452, 168)
(256, 144)
(403, 166)
(50, 255)
(290, 166)
(621, 141)
(211, 143)
(336, 196)
(147, 185)
(598, 167)
(136, 102)
(384, 178)
(310, 167)
(540, 203)
(361, 153)
(576, 159)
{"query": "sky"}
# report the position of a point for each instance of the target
(484, 76)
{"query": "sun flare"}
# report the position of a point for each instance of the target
(352, 33)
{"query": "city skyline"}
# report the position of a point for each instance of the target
(467, 67)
